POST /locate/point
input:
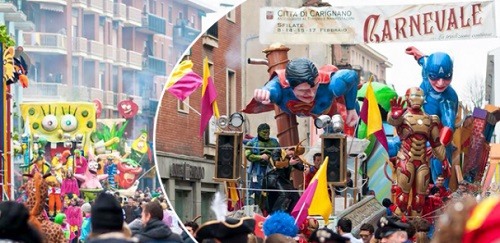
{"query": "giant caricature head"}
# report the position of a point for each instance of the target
(61, 122)
(263, 132)
(415, 98)
(301, 74)
(439, 70)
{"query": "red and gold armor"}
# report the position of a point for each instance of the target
(415, 128)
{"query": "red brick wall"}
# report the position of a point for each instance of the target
(177, 132)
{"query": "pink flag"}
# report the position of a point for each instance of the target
(208, 98)
(183, 81)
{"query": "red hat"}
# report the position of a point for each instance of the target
(482, 225)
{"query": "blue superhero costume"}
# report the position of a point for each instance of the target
(443, 104)
(342, 82)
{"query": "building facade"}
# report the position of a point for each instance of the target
(186, 161)
(106, 50)
(492, 82)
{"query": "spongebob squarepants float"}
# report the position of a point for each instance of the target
(63, 125)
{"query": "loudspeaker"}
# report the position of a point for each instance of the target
(334, 147)
(228, 154)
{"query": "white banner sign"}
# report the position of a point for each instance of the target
(377, 24)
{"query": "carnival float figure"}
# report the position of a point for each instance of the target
(301, 90)
(258, 152)
(415, 128)
(283, 197)
(440, 98)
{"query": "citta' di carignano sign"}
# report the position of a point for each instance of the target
(378, 24)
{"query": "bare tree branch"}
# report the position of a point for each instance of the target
(474, 93)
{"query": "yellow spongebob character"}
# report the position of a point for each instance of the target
(63, 123)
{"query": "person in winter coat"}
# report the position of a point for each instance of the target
(154, 230)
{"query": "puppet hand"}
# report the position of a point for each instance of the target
(262, 96)
(397, 107)
(414, 52)
(352, 118)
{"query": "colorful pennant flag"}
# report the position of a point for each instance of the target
(208, 98)
(370, 115)
(315, 200)
(183, 81)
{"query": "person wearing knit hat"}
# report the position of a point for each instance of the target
(85, 230)
(60, 219)
(107, 221)
(14, 223)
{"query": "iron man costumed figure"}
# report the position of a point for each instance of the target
(415, 128)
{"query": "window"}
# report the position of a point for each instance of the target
(169, 12)
(191, 22)
(155, 49)
(183, 106)
(214, 31)
(231, 16)
(162, 10)
(230, 91)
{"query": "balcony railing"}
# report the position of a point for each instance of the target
(96, 93)
(155, 65)
(121, 57)
(44, 42)
(134, 17)
(25, 25)
(154, 24)
(59, 2)
(95, 49)
(134, 60)
(80, 46)
(109, 8)
(79, 3)
(110, 53)
(109, 98)
(8, 6)
(185, 35)
(120, 11)
(17, 16)
(55, 91)
(96, 6)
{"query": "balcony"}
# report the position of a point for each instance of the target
(95, 50)
(120, 12)
(44, 43)
(134, 17)
(17, 16)
(134, 60)
(79, 93)
(80, 46)
(152, 24)
(211, 38)
(95, 6)
(58, 2)
(184, 35)
(155, 65)
(46, 91)
(110, 53)
(7, 6)
(96, 93)
(24, 26)
(121, 57)
(109, 99)
(79, 4)
(109, 8)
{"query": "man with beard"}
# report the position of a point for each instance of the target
(258, 152)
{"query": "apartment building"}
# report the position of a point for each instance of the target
(106, 50)
(186, 161)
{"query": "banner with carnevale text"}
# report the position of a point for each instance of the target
(378, 24)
